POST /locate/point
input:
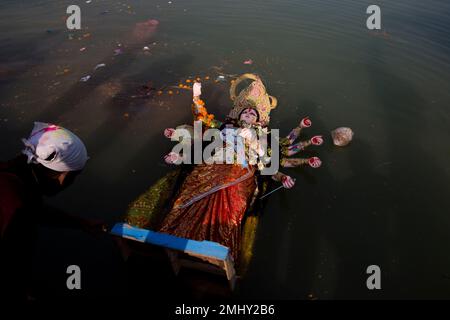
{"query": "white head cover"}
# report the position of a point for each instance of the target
(46, 139)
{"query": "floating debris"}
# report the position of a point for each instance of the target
(86, 78)
(146, 91)
(101, 65)
(182, 86)
(118, 51)
(65, 71)
(249, 61)
(82, 49)
(312, 297)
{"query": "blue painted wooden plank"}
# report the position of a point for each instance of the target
(205, 248)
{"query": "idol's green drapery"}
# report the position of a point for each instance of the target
(221, 194)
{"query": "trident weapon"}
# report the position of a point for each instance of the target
(274, 190)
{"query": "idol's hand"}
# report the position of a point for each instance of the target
(169, 132)
(197, 89)
(317, 140)
(305, 123)
(287, 182)
(314, 162)
(172, 157)
(247, 134)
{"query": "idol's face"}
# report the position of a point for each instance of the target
(250, 116)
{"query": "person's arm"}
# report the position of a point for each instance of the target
(57, 217)
(11, 200)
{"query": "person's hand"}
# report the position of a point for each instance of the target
(317, 140)
(94, 226)
(287, 182)
(172, 157)
(305, 123)
(169, 132)
(314, 162)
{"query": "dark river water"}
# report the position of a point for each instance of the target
(382, 200)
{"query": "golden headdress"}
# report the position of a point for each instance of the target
(254, 96)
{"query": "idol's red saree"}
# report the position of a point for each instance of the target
(211, 204)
